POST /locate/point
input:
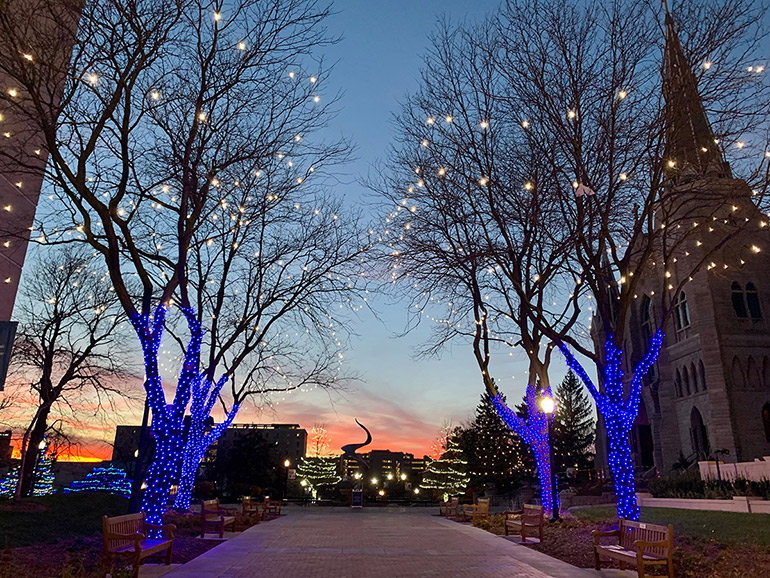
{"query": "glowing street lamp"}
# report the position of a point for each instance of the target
(548, 405)
(403, 477)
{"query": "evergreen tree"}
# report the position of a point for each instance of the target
(8, 484)
(111, 480)
(317, 472)
(43, 485)
(447, 475)
(493, 451)
(574, 426)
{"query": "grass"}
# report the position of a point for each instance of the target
(49, 518)
(723, 527)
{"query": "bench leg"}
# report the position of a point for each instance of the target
(137, 563)
(622, 565)
(169, 554)
(597, 562)
(222, 529)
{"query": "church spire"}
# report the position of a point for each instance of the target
(691, 150)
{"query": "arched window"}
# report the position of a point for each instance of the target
(739, 303)
(766, 373)
(752, 301)
(648, 328)
(698, 436)
(766, 420)
(694, 377)
(752, 374)
(737, 374)
(681, 312)
(678, 384)
(686, 379)
(702, 372)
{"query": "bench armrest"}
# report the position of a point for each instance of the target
(599, 534)
(641, 544)
(167, 529)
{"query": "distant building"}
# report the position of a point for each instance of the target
(5, 447)
(126, 446)
(384, 463)
(286, 440)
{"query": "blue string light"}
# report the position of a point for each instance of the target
(619, 412)
(167, 420)
(110, 480)
(534, 432)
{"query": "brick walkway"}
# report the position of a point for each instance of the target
(371, 543)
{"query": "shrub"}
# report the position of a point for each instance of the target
(690, 485)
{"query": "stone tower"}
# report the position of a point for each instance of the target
(710, 389)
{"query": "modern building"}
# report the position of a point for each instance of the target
(49, 36)
(286, 441)
(710, 388)
(5, 447)
(385, 463)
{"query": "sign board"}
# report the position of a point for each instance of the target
(7, 334)
(357, 499)
(292, 474)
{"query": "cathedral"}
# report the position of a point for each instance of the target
(709, 392)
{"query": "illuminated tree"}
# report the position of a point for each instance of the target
(110, 480)
(493, 451)
(185, 152)
(447, 475)
(318, 472)
(538, 185)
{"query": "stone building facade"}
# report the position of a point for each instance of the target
(710, 388)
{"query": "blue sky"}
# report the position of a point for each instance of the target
(403, 400)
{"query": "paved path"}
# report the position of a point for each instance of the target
(371, 543)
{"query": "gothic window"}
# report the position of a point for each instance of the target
(766, 373)
(766, 420)
(737, 374)
(739, 303)
(681, 312)
(702, 372)
(698, 436)
(694, 378)
(647, 324)
(678, 384)
(686, 379)
(752, 375)
(752, 301)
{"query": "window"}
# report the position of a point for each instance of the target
(681, 312)
(752, 375)
(752, 301)
(737, 374)
(766, 420)
(678, 384)
(739, 304)
(647, 316)
(694, 378)
(686, 379)
(702, 372)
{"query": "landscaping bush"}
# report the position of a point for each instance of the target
(690, 485)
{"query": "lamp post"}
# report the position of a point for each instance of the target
(286, 465)
(547, 404)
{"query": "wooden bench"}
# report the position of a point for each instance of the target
(640, 544)
(126, 536)
(214, 515)
(271, 509)
(529, 521)
(249, 506)
(479, 510)
(451, 506)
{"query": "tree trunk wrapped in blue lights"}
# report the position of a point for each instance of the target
(619, 408)
(534, 432)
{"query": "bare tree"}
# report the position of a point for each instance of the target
(185, 152)
(70, 345)
(469, 234)
(541, 176)
(654, 203)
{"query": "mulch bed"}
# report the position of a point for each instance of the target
(570, 540)
(81, 557)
